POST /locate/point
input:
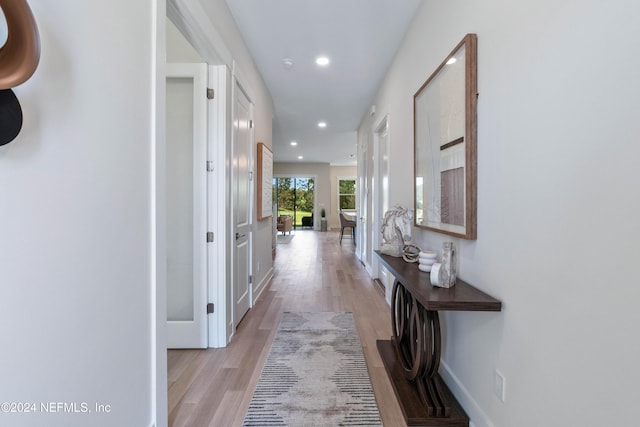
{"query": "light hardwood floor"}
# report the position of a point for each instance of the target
(312, 273)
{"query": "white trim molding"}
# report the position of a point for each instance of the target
(476, 414)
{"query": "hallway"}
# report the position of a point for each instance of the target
(312, 273)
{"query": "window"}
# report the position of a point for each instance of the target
(347, 194)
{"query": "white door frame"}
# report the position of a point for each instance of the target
(379, 127)
(194, 23)
(191, 19)
(217, 216)
(362, 189)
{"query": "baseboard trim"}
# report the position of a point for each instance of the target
(379, 286)
(262, 286)
(477, 416)
(367, 267)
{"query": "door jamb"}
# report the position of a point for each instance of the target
(378, 127)
(217, 218)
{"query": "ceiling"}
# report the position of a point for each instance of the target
(360, 37)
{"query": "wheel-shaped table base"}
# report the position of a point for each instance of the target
(413, 408)
(414, 356)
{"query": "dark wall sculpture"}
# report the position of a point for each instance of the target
(19, 58)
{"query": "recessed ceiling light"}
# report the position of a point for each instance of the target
(322, 61)
(451, 61)
(287, 63)
(322, 124)
(294, 143)
(300, 157)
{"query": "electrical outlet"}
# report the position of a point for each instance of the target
(499, 385)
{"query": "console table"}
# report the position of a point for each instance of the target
(412, 356)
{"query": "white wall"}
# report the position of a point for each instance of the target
(557, 201)
(76, 281)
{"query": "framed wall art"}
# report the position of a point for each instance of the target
(445, 145)
(265, 182)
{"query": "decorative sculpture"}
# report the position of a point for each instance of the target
(396, 230)
(19, 58)
(411, 253)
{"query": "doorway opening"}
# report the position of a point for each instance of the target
(295, 197)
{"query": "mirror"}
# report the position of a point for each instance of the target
(445, 145)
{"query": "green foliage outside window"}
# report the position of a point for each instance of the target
(347, 194)
(294, 195)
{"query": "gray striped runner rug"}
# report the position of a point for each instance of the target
(315, 375)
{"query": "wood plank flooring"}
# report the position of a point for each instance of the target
(312, 273)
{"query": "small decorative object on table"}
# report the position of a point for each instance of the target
(448, 273)
(396, 230)
(411, 253)
(427, 259)
(436, 275)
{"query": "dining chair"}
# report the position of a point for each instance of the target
(346, 223)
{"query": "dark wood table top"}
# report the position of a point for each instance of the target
(460, 297)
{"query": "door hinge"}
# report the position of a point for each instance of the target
(250, 278)
(251, 124)
(210, 93)
(209, 236)
(250, 176)
(209, 165)
(210, 308)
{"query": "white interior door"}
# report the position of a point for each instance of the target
(186, 206)
(242, 143)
